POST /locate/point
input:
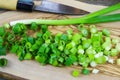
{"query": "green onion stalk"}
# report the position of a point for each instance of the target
(95, 17)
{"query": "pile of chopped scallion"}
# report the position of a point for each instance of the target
(87, 48)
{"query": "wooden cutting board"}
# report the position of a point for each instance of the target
(33, 70)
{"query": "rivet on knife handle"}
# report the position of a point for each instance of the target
(24, 5)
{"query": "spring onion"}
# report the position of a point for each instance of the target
(93, 64)
(95, 71)
(84, 32)
(100, 60)
(70, 60)
(86, 43)
(106, 32)
(2, 31)
(14, 48)
(28, 56)
(75, 73)
(3, 62)
(115, 40)
(2, 51)
(85, 71)
(111, 61)
(1, 41)
(73, 20)
(34, 26)
(88, 47)
(93, 29)
(113, 52)
(6, 26)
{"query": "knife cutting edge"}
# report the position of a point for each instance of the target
(45, 6)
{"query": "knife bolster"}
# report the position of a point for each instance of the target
(24, 5)
(8, 4)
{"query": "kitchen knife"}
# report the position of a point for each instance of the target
(45, 6)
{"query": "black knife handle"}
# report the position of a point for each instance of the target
(25, 5)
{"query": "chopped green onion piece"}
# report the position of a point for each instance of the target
(3, 62)
(28, 45)
(69, 31)
(61, 59)
(86, 43)
(11, 37)
(108, 39)
(48, 41)
(44, 28)
(70, 60)
(31, 40)
(69, 45)
(2, 31)
(91, 56)
(100, 60)
(96, 37)
(46, 35)
(14, 48)
(84, 31)
(97, 46)
(93, 64)
(76, 37)
(93, 29)
(16, 29)
(95, 71)
(57, 37)
(28, 56)
(34, 26)
(107, 53)
(39, 35)
(19, 28)
(64, 37)
(7, 26)
(22, 55)
(117, 47)
(81, 58)
(115, 40)
(85, 71)
(113, 52)
(34, 47)
(61, 48)
(55, 63)
(75, 73)
(81, 51)
(40, 59)
(1, 41)
(66, 51)
(39, 41)
(107, 46)
(74, 50)
(106, 32)
(2, 51)
(43, 48)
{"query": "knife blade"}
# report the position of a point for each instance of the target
(53, 7)
(45, 6)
